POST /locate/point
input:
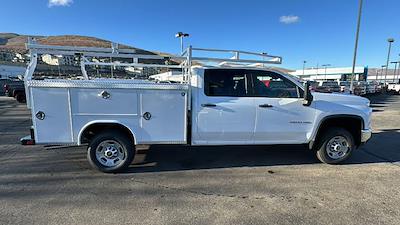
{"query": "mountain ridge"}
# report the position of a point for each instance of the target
(16, 42)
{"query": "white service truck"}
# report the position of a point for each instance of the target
(232, 102)
(393, 88)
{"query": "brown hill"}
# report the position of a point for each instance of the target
(16, 43)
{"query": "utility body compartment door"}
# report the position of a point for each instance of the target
(164, 115)
(51, 115)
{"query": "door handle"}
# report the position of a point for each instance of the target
(265, 106)
(208, 105)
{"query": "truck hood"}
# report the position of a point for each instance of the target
(343, 99)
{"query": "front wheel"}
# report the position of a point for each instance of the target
(336, 145)
(111, 152)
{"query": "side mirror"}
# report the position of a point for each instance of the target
(308, 98)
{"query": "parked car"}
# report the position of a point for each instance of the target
(378, 86)
(394, 88)
(15, 88)
(361, 88)
(331, 86)
(371, 87)
(344, 86)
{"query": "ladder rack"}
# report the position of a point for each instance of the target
(183, 61)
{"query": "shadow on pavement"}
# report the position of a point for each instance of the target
(382, 148)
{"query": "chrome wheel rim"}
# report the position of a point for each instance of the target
(337, 147)
(110, 153)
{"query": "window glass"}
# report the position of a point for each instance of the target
(230, 82)
(273, 85)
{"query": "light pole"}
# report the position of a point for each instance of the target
(316, 76)
(181, 35)
(399, 73)
(326, 65)
(356, 44)
(263, 53)
(383, 66)
(304, 67)
(390, 40)
(395, 69)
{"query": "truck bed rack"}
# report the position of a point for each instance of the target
(185, 60)
(189, 58)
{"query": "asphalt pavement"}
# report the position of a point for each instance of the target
(208, 185)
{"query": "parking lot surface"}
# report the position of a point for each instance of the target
(208, 185)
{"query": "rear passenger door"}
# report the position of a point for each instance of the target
(225, 113)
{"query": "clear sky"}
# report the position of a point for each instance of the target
(318, 31)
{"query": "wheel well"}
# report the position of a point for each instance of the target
(353, 124)
(96, 128)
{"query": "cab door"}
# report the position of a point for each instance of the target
(281, 117)
(225, 113)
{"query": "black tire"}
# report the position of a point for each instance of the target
(20, 98)
(325, 155)
(125, 143)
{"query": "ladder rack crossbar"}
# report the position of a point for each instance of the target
(100, 54)
(133, 65)
(271, 58)
(113, 49)
(234, 60)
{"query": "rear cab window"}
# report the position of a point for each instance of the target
(226, 82)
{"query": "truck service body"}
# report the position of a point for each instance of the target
(214, 105)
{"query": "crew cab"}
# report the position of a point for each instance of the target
(217, 105)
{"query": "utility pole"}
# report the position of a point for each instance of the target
(356, 45)
(383, 66)
(390, 40)
(304, 67)
(398, 74)
(395, 69)
(326, 65)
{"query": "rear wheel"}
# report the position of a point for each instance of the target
(336, 145)
(111, 152)
(20, 98)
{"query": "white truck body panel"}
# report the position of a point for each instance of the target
(71, 106)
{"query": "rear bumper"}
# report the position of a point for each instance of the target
(366, 135)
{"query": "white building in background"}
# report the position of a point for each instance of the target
(174, 76)
(7, 71)
(331, 73)
(379, 75)
(52, 60)
(58, 60)
(344, 73)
